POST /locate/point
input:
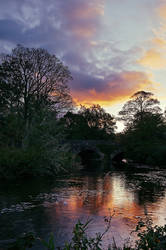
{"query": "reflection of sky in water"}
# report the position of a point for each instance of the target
(119, 193)
(57, 209)
(95, 198)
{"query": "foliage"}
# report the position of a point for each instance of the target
(31, 79)
(149, 237)
(98, 119)
(76, 126)
(43, 152)
(152, 237)
(50, 245)
(141, 103)
(79, 241)
(33, 94)
(32, 84)
(16, 163)
(144, 141)
(48, 136)
(91, 123)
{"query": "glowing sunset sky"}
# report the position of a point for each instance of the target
(112, 47)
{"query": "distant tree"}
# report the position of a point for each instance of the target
(98, 120)
(144, 141)
(150, 128)
(89, 123)
(144, 137)
(31, 79)
(141, 103)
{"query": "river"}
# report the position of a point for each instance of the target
(56, 205)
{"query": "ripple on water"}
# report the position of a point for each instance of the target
(57, 208)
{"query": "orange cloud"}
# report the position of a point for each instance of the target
(159, 42)
(114, 91)
(153, 59)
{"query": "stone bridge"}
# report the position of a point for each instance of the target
(96, 151)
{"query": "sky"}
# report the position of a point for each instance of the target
(113, 48)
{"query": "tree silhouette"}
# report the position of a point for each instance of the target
(135, 109)
(31, 79)
(99, 120)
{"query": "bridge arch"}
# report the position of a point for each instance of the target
(89, 157)
(91, 152)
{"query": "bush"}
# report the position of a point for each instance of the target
(33, 161)
(41, 152)
(18, 162)
(149, 238)
(152, 237)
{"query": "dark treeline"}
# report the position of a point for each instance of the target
(144, 137)
(91, 123)
(37, 114)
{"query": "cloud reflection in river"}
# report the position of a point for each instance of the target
(95, 197)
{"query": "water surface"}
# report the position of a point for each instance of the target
(55, 206)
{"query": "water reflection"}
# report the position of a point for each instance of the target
(56, 207)
(97, 195)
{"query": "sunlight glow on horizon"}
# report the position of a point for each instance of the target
(112, 48)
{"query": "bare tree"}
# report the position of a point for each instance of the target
(32, 78)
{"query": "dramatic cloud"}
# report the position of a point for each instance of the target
(117, 86)
(100, 41)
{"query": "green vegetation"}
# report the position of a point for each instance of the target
(91, 123)
(140, 104)
(143, 140)
(149, 238)
(33, 93)
(37, 119)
